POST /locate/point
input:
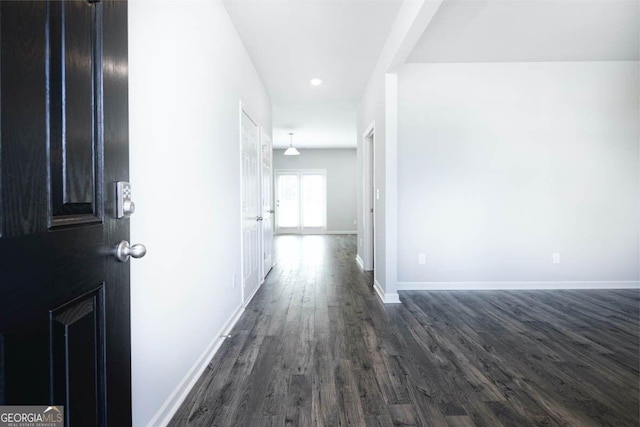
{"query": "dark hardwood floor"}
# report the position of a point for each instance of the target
(316, 347)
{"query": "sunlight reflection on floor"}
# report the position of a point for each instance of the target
(305, 249)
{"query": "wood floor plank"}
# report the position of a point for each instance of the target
(316, 347)
(349, 404)
(325, 400)
(253, 396)
(299, 401)
(403, 415)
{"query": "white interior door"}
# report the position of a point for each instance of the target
(301, 201)
(267, 202)
(251, 207)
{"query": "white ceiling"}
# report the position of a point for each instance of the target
(290, 42)
(339, 41)
(531, 31)
(315, 127)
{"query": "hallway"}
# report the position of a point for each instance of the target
(316, 347)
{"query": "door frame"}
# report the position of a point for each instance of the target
(301, 229)
(243, 109)
(368, 200)
(264, 269)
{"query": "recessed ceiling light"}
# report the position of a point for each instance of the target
(316, 82)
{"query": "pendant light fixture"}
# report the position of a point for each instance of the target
(291, 151)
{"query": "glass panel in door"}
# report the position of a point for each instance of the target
(313, 202)
(288, 202)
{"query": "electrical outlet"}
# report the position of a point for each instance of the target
(556, 258)
(355, 222)
(422, 259)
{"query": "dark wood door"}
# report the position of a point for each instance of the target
(64, 298)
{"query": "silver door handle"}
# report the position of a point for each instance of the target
(259, 218)
(272, 211)
(124, 251)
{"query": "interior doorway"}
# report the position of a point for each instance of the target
(369, 198)
(301, 201)
(267, 203)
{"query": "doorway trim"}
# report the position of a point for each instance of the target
(266, 202)
(368, 190)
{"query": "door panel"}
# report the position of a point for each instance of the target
(267, 202)
(77, 338)
(64, 299)
(251, 207)
(72, 75)
(288, 202)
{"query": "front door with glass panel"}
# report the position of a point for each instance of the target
(301, 205)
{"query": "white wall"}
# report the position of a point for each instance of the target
(187, 72)
(379, 105)
(502, 164)
(340, 165)
(372, 109)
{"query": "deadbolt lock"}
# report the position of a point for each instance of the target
(124, 205)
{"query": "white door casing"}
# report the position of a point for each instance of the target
(369, 198)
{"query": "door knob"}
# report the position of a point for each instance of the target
(272, 211)
(124, 251)
(258, 218)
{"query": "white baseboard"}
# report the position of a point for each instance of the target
(175, 399)
(378, 290)
(359, 261)
(391, 298)
(341, 232)
(515, 285)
